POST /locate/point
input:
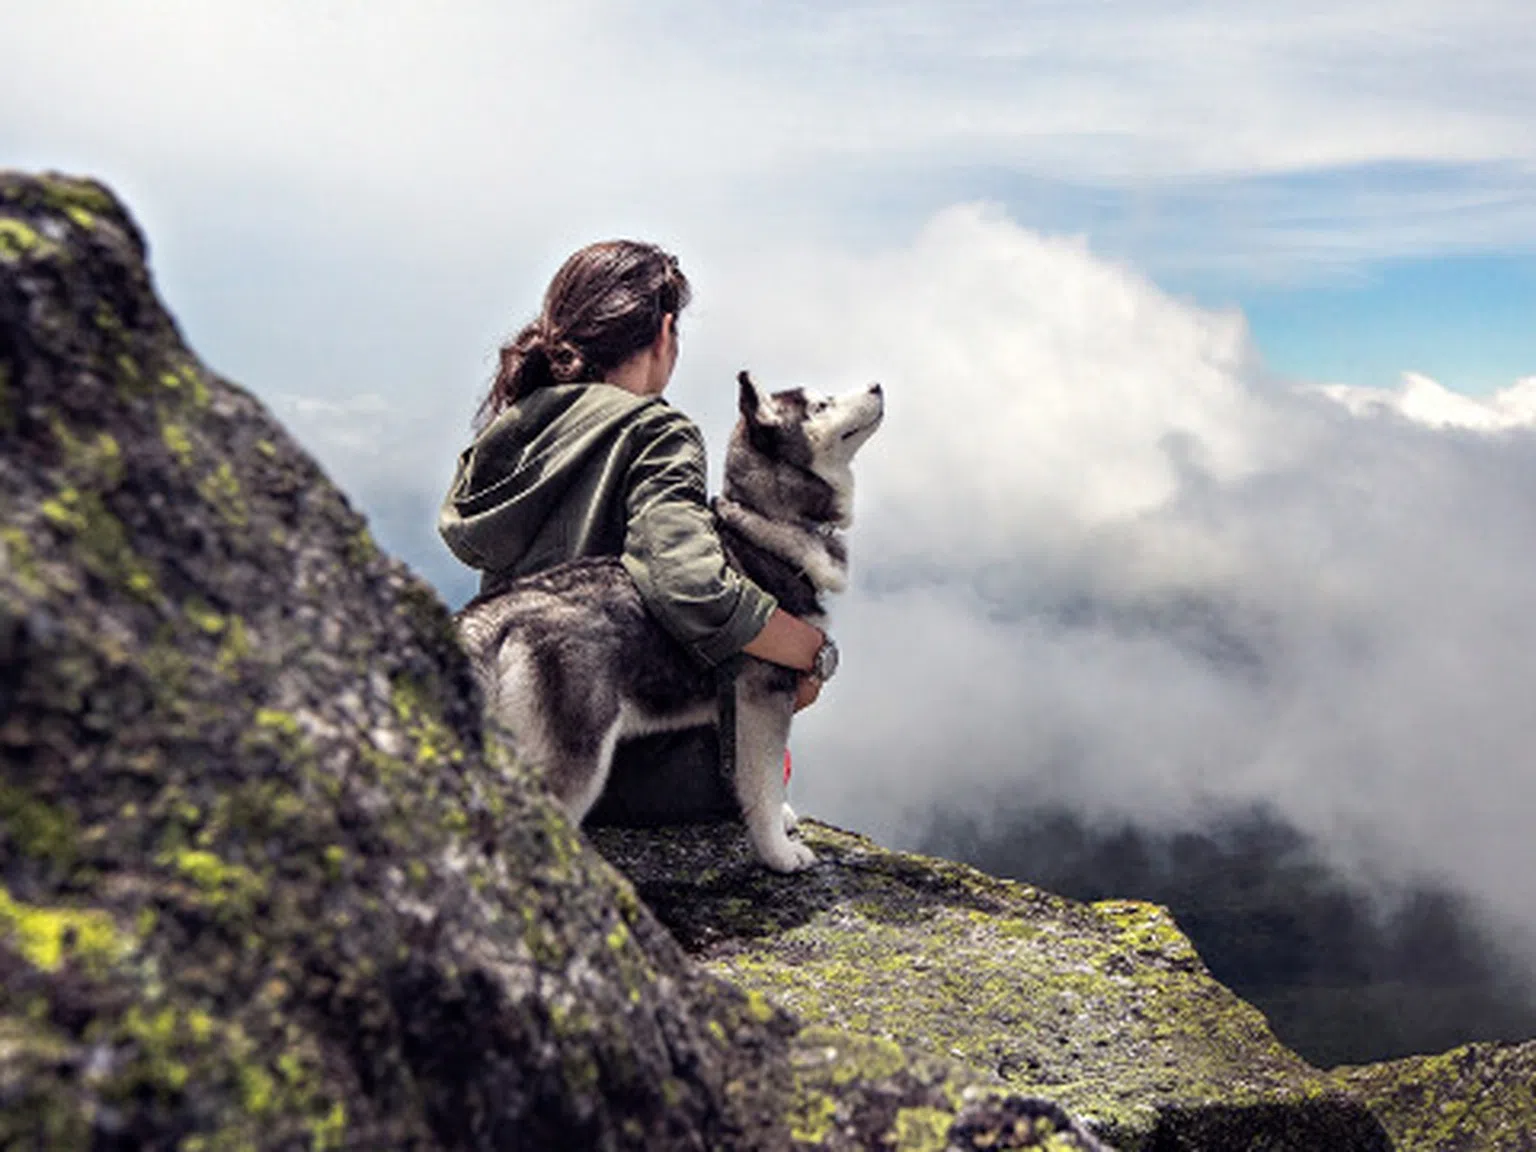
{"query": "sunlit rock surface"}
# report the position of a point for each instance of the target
(1476, 1098)
(1105, 1008)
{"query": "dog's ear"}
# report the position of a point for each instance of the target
(750, 401)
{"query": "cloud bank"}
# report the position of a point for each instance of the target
(1102, 559)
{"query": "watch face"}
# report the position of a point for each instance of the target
(826, 660)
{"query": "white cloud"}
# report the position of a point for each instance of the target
(1427, 402)
(1100, 559)
(1023, 371)
(460, 113)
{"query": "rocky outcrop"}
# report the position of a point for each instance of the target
(1105, 1008)
(1476, 1098)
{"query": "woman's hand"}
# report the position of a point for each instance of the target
(806, 690)
(787, 640)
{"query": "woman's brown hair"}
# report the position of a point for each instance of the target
(605, 304)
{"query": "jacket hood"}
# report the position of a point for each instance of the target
(518, 471)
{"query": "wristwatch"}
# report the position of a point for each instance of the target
(825, 662)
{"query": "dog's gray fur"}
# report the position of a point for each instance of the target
(571, 662)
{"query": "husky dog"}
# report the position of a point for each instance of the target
(571, 662)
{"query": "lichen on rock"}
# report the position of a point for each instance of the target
(1476, 1098)
(1103, 1008)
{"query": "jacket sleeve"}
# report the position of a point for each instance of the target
(673, 555)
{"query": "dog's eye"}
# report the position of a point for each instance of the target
(817, 407)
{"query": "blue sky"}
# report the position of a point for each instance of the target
(1141, 279)
(1467, 321)
(1358, 181)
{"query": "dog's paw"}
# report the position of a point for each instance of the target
(791, 821)
(788, 856)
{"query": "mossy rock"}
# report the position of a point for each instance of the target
(1476, 1098)
(1104, 1008)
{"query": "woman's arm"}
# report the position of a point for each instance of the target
(786, 640)
(675, 558)
(671, 549)
(790, 641)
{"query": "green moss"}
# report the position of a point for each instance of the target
(18, 562)
(328, 1133)
(434, 741)
(157, 1037)
(204, 617)
(102, 542)
(227, 887)
(278, 723)
(37, 830)
(170, 1047)
(758, 1007)
(80, 217)
(197, 387)
(95, 463)
(108, 322)
(1148, 929)
(257, 1090)
(361, 549)
(236, 645)
(811, 1118)
(130, 377)
(61, 194)
(335, 861)
(921, 1130)
(177, 442)
(850, 1056)
(18, 240)
(188, 388)
(46, 936)
(221, 489)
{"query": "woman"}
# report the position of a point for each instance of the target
(577, 454)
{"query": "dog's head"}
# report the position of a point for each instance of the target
(813, 435)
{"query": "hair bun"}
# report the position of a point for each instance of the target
(566, 363)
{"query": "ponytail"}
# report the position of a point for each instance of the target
(605, 304)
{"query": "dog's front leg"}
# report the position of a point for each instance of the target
(762, 730)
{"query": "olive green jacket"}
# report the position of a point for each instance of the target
(592, 470)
